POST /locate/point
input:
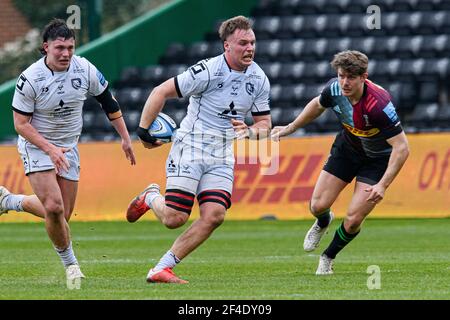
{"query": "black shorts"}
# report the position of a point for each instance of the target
(346, 164)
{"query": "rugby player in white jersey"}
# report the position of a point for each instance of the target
(47, 109)
(222, 91)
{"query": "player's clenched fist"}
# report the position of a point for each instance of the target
(281, 131)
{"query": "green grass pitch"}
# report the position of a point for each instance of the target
(242, 260)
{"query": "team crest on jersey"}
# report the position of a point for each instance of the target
(76, 83)
(250, 88)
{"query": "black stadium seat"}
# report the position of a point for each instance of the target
(408, 47)
(300, 6)
(292, 72)
(423, 114)
(132, 119)
(153, 75)
(435, 46)
(334, 6)
(268, 50)
(175, 53)
(197, 51)
(358, 6)
(335, 45)
(215, 48)
(429, 92)
(272, 70)
(291, 27)
(266, 27)
(363, 44)
(292, 50)
(443, 115)
(88, 120)
(131, 75)
(275, 93)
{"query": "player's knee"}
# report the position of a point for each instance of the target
(215, 219)
(175, 219)
(317, 206)
(353, 224)
(53, 208)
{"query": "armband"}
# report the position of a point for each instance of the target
(109, 105)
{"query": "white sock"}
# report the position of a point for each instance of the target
(150, 197)
(169, 260)
(13, 202)
(67, 256)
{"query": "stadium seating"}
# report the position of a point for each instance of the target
(296, 39)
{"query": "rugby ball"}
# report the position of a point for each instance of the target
(162, 128)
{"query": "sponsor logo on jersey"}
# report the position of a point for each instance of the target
(62, 111)
(361, 133)
(255, 76)
(78, 70)
(229, 113)
(185, 169)
(101, 78)
(366, 119)
(60, 89)
(337, 109)
(389, 110)
(171, 167)
(39, 79)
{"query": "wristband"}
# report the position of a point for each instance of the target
(145, 136)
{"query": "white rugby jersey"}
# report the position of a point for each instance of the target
(55, 99)
(218, 93)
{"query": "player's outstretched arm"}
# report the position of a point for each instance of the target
(311, 111)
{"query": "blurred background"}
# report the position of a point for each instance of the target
(139, 44)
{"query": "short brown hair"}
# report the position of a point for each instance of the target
(351, 61)
(229, 26)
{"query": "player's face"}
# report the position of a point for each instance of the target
(59, 53)
(351, 85)
(240, 49)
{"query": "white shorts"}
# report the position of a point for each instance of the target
(194, 171)
(36, 160)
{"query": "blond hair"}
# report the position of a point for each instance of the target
(229, 26)
(351, 61)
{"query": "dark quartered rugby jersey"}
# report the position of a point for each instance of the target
(368, 123)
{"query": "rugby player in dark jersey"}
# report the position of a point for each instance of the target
(371, 147)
